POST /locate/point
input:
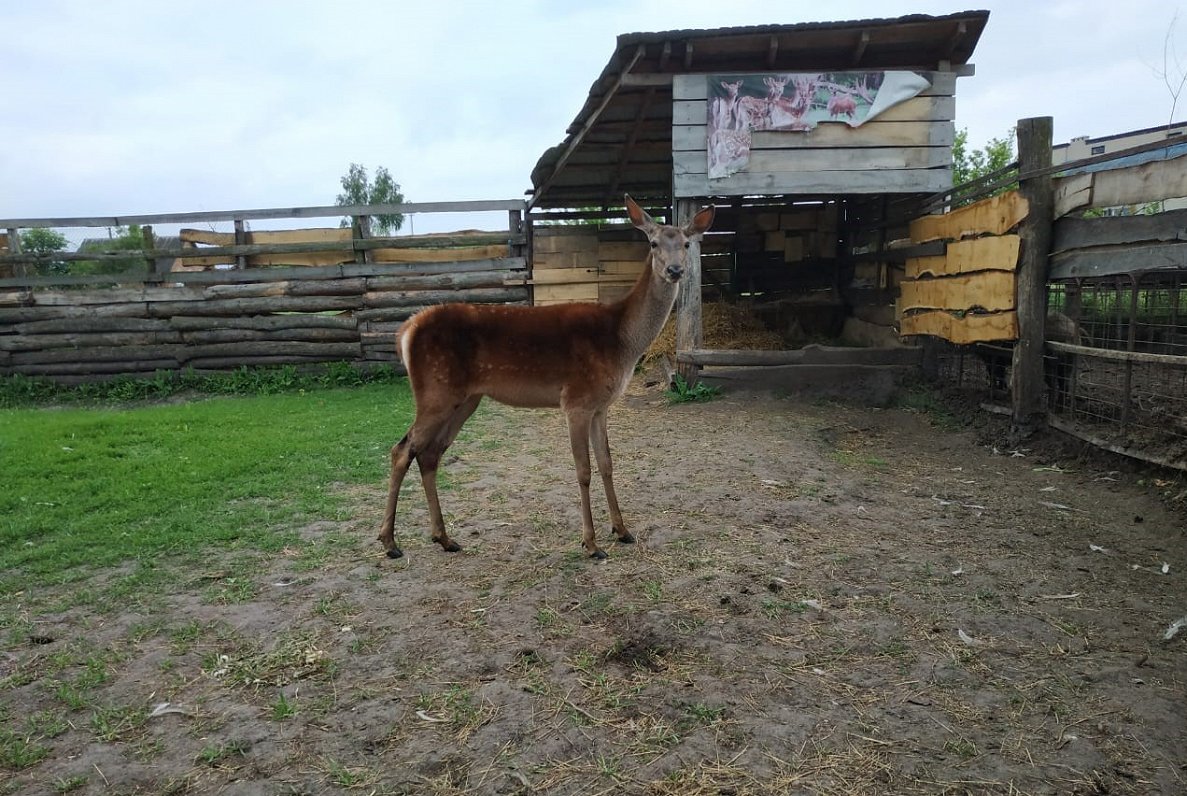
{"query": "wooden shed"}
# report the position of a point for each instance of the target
(805, 136)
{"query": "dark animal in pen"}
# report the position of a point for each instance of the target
(1058, 367)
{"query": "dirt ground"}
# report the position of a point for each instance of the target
(826, 597)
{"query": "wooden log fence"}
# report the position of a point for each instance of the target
(70, 327)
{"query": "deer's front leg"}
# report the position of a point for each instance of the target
(600, 438)
(579, 426)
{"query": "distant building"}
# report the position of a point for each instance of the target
(1085, 147)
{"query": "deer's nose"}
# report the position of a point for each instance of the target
(674, 271)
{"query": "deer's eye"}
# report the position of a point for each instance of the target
(654, 245)
(686, 244)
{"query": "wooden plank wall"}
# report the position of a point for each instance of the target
(218, 320)
(968, 294)
(581, 263)
(907, 149)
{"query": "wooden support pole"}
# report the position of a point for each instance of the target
(689, 329)
(360, 231)
(240, 240)
(147, 244)
(14, 247)
(1034, 155)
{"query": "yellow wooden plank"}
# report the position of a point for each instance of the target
(989, 290)
(311, 235)
(931, 266)
(207, 237)
(319, 235)
(964, 329)
(618, 250)
(560, 293)
(999, 253)
(548, 260)
(549, 244)
(449, 255)
(564, 276)
(995, 215)
(995, 253)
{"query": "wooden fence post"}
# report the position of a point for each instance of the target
(1034, 155)
(240, 240)
(360, 229)
(148, 242)
(689, 328)
(14, 247)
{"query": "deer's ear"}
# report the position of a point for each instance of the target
(701, 221)
(638, 215)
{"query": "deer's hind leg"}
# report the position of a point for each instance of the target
(401, 458)
(438, 437)
(425, 442)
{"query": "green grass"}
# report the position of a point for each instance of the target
(147, 485)
(18, 390)
(215, 753)
(282, 708)
(681, 392)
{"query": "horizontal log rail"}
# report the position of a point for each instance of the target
(808, 355)
(1173, 360)
(274, 273)
(345, 246)
(320, 211)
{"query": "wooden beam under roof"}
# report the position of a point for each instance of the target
(863, 41)
(962, 30)
(585, 128)
(625, 155)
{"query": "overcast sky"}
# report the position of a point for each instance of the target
(151, 107)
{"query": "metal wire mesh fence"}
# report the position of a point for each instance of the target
(1115, 368)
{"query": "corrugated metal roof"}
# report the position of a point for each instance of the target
(621, 140)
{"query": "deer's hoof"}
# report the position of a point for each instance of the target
(450, 546)
(598, 555)
(626, 537)
(395, 552)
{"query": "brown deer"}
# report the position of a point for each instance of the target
(578, 357)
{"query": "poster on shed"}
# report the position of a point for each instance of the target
(797, 101)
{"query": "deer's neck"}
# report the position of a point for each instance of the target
(645, 309)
